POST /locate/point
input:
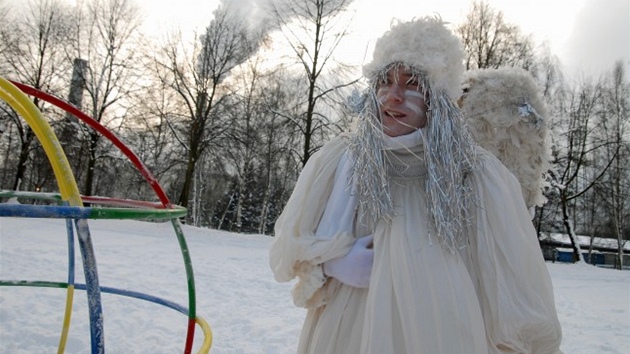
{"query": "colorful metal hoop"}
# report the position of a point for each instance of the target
(68, 204)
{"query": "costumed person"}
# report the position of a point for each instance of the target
(506, 115)
(405, 236)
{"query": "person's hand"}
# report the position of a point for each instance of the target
(355, 268)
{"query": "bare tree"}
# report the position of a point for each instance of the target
(574, 153)
(256, 146)
(152, 109)
(197, 78)
(243, 140)
(313, 30)
(5, 30)
(614, 188)
(6, 114)
(33, 53)
(490, 42)
(107, 37)
(277, 160)
(548, 73)
(551, 82)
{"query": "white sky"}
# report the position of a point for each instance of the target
(587, 35)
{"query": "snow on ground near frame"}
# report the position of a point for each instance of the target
(236, 294)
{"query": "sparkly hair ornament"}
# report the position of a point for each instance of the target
(434, 56)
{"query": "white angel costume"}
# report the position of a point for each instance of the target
(429, 292)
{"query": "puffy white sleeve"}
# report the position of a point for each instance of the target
(315, 225)
(505, 261)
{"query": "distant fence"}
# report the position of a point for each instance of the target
(598, 258)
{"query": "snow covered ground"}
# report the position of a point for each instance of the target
(236, 293)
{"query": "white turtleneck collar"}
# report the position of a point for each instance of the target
(403, 141)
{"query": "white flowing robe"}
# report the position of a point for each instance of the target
(494, 296)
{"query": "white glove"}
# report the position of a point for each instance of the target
(355, 268)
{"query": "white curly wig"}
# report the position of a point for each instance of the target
(425, 44)
(507, 116)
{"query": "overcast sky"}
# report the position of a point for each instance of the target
(588, 36)
(600, 35)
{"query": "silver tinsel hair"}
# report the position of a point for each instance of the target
(449, 154)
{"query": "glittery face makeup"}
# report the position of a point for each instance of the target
(402, 104)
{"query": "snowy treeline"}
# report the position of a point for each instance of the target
(226, 120)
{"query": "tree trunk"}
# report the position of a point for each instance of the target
(620, 242)
(262, 226)
(238, 221)
(25, 148)
(89, 177)
(188, 177)
(225, 211)
(577, 251)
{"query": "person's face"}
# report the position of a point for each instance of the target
(401, 101)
